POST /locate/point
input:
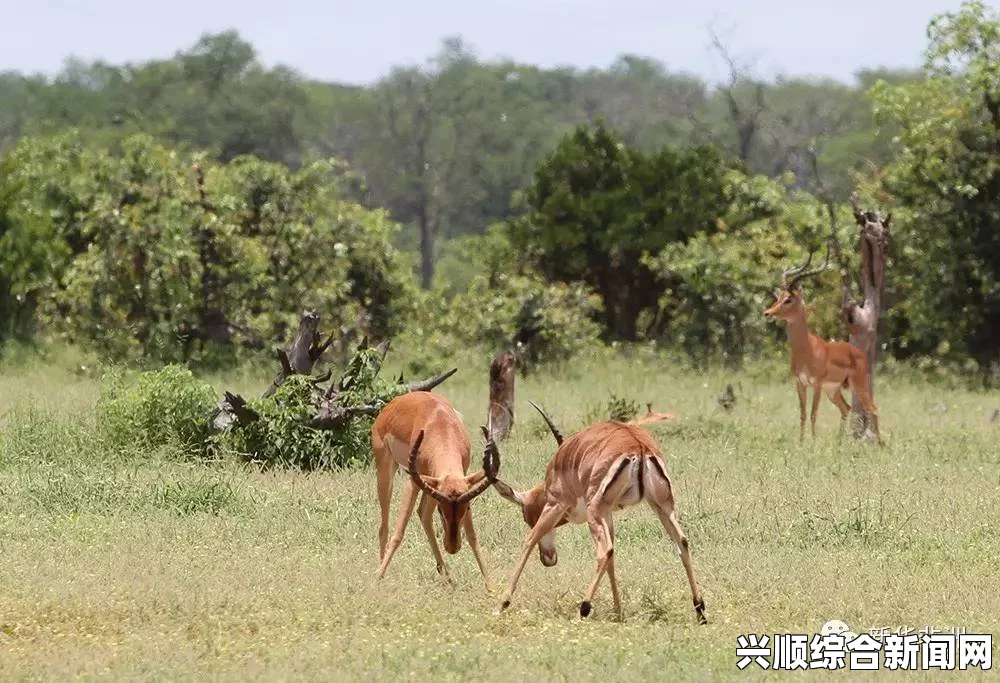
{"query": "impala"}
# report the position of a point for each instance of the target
(827, 367)
(605, 467)
(423, 433)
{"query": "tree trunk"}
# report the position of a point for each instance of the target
(501, 411)
(862, 317)
(426, 250)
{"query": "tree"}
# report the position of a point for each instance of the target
(140, 256)
(596, 206)
(946, 175)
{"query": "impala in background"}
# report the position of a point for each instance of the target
(827, 367)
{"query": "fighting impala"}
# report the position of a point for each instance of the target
(827, 367)
(423, 433)
(605, 467)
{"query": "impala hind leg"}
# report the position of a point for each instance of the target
(547, 521)
(660, 497)
(860, 388)
(426, 513)
(604, 548)
(385, 469)
(406, 505)
(615, 595)
(838, 399)
(602, 530)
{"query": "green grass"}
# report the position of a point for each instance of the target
(118, 565)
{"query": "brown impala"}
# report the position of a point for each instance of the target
(605, 467)
(825, 366)
(422, 433)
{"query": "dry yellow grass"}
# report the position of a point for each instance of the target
(162, 569)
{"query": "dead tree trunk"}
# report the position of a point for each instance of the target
(305, 351)
(862, 317)
(501, 411)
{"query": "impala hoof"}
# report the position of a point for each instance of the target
(699, 608)
(585, 608)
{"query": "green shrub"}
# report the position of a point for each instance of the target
(282, 437)
(166, 406)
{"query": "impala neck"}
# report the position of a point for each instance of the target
(798, 334)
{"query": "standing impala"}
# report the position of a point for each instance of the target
(422, 433)
(825, 366)
(605, 467)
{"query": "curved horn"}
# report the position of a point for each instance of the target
(415, 476)
(428, 384)
(548, 420)
(491, 468)
(792, 277)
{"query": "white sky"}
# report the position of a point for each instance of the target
(358, 41)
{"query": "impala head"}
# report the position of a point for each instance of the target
(788, 301)
(455, 493)
(532, 502)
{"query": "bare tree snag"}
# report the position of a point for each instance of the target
(862, 316)
(501, 411)
(305, 351)
(430, 383)
(747, 113)
(300, 359)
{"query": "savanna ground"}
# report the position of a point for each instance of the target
(157, 567)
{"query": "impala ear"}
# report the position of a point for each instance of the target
(433, 482)
(507, 492)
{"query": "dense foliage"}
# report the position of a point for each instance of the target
(138, 255)
(188, 209)
(946, 176)
(595, 206)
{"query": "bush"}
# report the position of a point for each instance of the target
(139, 256)
(166, 406)
(543, 323)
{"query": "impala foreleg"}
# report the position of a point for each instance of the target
(550, 516)
(426, 513)
(406, 505)
(470, 535)
(801, 389)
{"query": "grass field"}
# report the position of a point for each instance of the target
(161, 568)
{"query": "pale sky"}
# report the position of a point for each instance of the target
(359, 41)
